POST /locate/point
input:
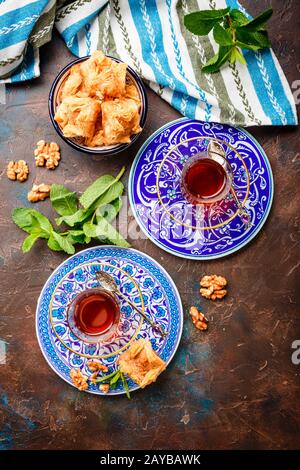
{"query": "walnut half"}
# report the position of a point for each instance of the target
(17, 170)
(78, 379)
(39, 192)
(47, 153)
(212, 287)
(198, 319)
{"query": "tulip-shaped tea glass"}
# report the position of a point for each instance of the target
(206, 178)
(93, 315)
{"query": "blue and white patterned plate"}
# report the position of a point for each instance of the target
(198, 232)
(141, 278)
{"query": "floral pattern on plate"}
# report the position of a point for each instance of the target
(138, 276)
(190, 231)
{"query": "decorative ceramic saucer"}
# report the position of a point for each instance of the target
(197, 231)
(140, 278)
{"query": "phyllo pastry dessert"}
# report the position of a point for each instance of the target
(97, 104)
(141, 363)
(78, 116)
(120, 119)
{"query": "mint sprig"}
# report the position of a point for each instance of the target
(100, 204)
(112, 379)
(232, 31)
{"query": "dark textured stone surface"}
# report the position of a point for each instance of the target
(233, 387)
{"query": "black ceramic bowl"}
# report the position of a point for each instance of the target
(103, 150)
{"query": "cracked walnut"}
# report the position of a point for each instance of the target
(17, 170)
(198, 319)
(39, 192)
(212, 287)
(78, 379)
(95, 366)
(48, 154)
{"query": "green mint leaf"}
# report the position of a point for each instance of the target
(43, 222)
(111, 194)
(259, 39)
(222, 36)
(197, 26)
(102, 202)
(208, 15)
(96, 189)
(238, 18)
(81, 215)
(110, 211)
(237, 55)
(52, 243)
(29, 242)
(232, 57)
(62, 242)
(63, 200)
(219, 59)
(113, 386)
(214, 14)
(259, 22)
(125, 385)
(32, 221)
(247, 46)
(89, 229)
(77, 218)
(211, 62)
(115, 379)
(104, 231)
(107, 377)
(76, 236)
(22, 218)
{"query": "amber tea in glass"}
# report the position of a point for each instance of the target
(94, 315)
(206, 179)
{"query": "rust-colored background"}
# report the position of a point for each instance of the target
(233, 387)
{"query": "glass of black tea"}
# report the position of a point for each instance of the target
(94, 315)
(206, 178)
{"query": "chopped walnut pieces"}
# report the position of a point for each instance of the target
(17, 170)
(78, 379)
(93, 377)
(104, 388)
(96, 367)
(47, 153)
(39, 192)
(198, 319)
(212, 287)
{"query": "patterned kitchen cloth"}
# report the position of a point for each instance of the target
(150, 36)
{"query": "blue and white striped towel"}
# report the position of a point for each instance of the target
(150, 36)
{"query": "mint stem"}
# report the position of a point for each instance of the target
(107, 377)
